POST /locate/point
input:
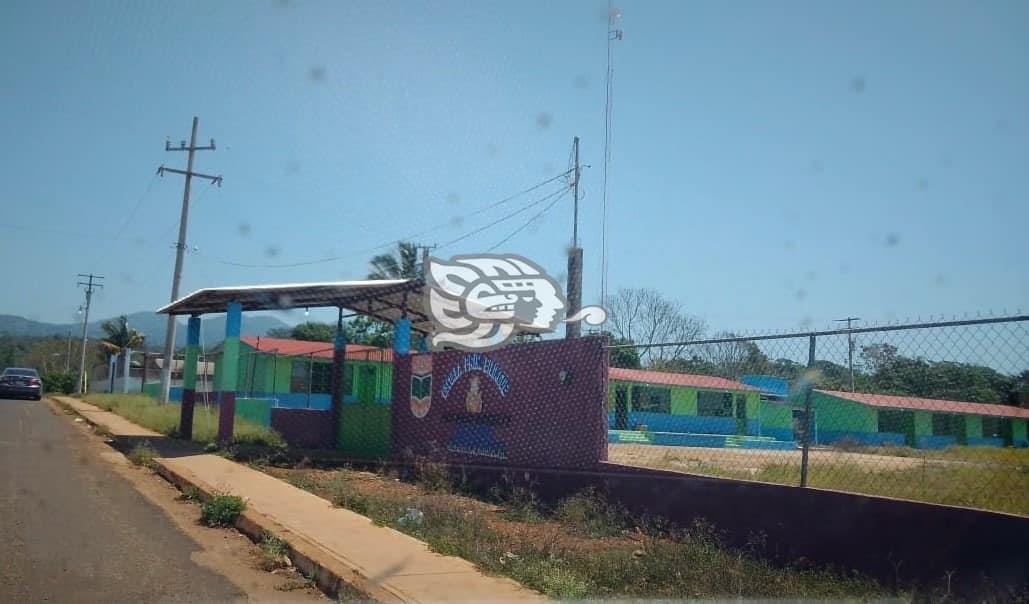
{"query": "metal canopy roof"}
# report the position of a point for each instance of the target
(384, 300)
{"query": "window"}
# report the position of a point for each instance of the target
(298, 377)
(947, 425)
(321, 378)
(716, 404)
(652, 400)
(991, 427)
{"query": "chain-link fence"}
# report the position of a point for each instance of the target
(933, 412)
(303, 380)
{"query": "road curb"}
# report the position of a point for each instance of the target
(328, 571)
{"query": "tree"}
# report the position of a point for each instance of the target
(524, 337)
(118, 336)
(314, 332)
(644, 316)
(626, 358)
(876, 357)
(369, 331)
(733, 359)
(404, 265)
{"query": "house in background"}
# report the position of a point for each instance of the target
(877, 419)
(652, 407)
(655, 407)
(296, 374)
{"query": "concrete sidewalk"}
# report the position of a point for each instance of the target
(118, 425)
(332, 544)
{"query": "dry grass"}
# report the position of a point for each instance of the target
(145, 411)
(980, 477)
(583, 548)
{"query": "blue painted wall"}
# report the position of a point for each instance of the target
(666, 422)
(828, 437)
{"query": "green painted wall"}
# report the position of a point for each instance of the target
(1019, 429)
(923, 424)
(364, 430)
(753, 404)
(973, 426)
(258, 411)
(684, 401)
(776, 416)
(837, 414)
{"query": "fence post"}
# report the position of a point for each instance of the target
(142, 379)
(806, 432)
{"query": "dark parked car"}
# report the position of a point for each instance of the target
(20, 381)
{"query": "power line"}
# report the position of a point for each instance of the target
(505, 217)
(135, 208)
(411, 237)
(530, 220)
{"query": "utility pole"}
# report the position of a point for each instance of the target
(425, 249)
(67, 357)
(574, 286)
(850, 347)
(180, 247)
(92, 282)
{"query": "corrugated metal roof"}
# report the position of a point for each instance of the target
(387, 300)
(892, 401)
(676, 379)
(321, 350)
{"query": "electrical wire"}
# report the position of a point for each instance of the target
(410, 237)
(504, 218)
(530, 220)
(135, 208)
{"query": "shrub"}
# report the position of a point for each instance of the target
(190, 493)
(60, 382)
(589, 513)
(221, 510)
(142, 455)
(274, 552)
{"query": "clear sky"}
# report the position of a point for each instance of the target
(774, 165)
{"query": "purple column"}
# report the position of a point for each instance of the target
(189, 378)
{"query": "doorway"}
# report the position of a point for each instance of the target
(621, 408)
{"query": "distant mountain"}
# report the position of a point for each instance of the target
(151, 324)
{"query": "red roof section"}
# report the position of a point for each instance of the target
(321, 350)
(676, 379)
(893, 401)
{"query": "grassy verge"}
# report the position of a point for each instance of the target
(985, 478)
(582, 548)
(145, 411)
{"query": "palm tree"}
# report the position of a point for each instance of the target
(119, 336)
(404, 265)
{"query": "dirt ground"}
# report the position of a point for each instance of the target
(696, 459)
(226, 552)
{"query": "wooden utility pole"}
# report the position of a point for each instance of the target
(92, 282)
(574, 286)
(180, 247)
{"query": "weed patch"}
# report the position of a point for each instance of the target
(143, 455)
(274, 553)
(221, 510)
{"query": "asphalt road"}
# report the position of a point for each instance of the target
(73, 530)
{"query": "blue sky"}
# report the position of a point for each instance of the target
(773, 165)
